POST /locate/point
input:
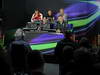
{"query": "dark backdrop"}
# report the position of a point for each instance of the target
(44, 5)
(17, 12)
(13, 12)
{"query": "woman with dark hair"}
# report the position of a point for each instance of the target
(36, 20)
(50, 18)
(37, 16)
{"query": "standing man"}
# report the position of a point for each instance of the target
(61, 12)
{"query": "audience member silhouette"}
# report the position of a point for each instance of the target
(84, 61)
(84, 42)
(35, 62)
(18, 56)
(67, 41)
(67, 58)
(4, 67)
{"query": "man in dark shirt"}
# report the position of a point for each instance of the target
(61, 24)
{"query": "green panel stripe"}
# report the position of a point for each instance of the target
(82, 22)
(43, 46)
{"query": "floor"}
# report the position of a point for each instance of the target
(51, 69)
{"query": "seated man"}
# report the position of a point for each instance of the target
(61, 24)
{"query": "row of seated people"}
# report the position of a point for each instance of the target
(39, 22)
(39, 16)
(73, 58)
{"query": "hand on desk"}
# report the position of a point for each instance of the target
(58, 31)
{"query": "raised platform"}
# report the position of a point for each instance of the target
(43, 41)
